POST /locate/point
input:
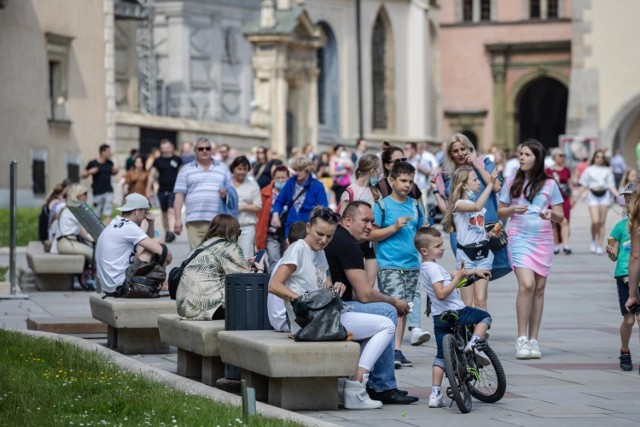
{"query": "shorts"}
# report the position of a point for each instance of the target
(467, 316)
(623, 293)
(400, 284)
(483, 264)
(604, 200)
(103, 204)
(166, 198)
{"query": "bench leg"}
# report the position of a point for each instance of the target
(54, 282)
(308, 394)
(212, 370)
(189, 364)
(140, 341)
(112, 337)
(259, 382)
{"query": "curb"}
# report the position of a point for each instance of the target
(177, 382)
(5, 250)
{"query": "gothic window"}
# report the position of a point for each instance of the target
(379, 75)
(534, 9)
(467, 10)
(485, 10)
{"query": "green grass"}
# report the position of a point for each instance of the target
(26, 226)
(3, 273)
(51, 383)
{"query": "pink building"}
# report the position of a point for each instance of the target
(505, 67)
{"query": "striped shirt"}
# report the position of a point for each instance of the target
(201, 188)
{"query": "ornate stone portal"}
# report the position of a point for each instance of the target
(285, 44)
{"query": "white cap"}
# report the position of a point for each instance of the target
(134, 201)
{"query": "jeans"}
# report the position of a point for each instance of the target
(414, 319)
(383, 375)
(467, 316)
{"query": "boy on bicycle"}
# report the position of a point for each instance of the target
(445, 296)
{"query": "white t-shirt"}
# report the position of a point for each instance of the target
(469, 225)
(597, 178)
(68, 225)
(312, 270)
(363, 194)
(421, 161)
(115, 250)
(248, 194)
(276, 310)
(511, 167)
(431, 273)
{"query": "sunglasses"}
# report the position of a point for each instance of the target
(402, 159)
(203, 148)
(561, 155)
(325, 214)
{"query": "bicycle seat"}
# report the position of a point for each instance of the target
(450, 316)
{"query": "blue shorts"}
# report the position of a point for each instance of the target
(166, 199)
(623, 293)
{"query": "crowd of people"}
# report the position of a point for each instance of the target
(365, 224)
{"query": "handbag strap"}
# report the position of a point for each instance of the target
(296, 198)
(197, 252)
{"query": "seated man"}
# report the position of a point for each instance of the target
(122, 241)
(347, 265)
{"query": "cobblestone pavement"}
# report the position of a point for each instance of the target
(577, 381)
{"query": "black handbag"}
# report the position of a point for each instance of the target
(318, 313)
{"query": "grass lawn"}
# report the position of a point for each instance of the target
(47, 383)
(26, 226)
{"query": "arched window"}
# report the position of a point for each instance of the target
(382, 73)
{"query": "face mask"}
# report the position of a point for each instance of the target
(278, 185)
(374, 180)
(472, 196)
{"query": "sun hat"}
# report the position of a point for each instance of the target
(134, 201)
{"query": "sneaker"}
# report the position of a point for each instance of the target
(481, 357)
(397, 361)
(593, 247)
(625, 362)
(567, 250)
(419, 337)
(534, 349)
(356, 397)
(523, 351)
(436, 401)
(404, 362)
(556, 250)
(599, 251)
(169, 237)
(392, 397)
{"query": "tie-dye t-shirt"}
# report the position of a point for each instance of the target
(531, 237)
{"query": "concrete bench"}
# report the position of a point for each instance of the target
(132, 323)
(53, 272)
(288, 374)
(197, 344)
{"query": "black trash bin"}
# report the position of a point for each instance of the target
(245, 307)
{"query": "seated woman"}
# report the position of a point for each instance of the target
(72, 238)
(304, 268)
(200, 295)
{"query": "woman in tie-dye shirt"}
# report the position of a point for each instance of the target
(532, 200)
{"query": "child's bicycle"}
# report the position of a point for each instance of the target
(467, 377)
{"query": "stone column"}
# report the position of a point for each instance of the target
(498, 70)
(278, 109)
(110, 74)
(178, 71)
(417, 75)
(312, 109)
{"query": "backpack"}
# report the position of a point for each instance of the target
(143, 279)
(176, 272)
(381, 205)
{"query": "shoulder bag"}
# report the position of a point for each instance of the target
(286, 209)
(176, 272)
(318, 313)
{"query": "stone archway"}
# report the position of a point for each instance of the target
(542, 111)
(623, 131)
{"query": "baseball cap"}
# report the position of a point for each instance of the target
(134, 201)
(629, 189)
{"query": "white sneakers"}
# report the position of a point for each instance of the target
(535, 350)
(527, 349)
(356, 396)
(436, 401)
(481, 357)
(419, 337)
(592, 248)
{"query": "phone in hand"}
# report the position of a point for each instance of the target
(260, 261)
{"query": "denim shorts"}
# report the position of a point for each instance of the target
(467, 316)
(623, 293)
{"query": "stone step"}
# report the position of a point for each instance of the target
(67, 325)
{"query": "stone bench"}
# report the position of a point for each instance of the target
(132, 323)
(53, 272)
(288, 374)
(84, 326)
(197, 344)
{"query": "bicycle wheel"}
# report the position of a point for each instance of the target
(456, 369)
(490, 384)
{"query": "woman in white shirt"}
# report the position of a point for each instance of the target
(249, 204)
(598, 179)
(72, 238)
(304, 268)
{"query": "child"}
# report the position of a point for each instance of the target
(619, 249)
(397, 217)
(465, 215)
(441, 288)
